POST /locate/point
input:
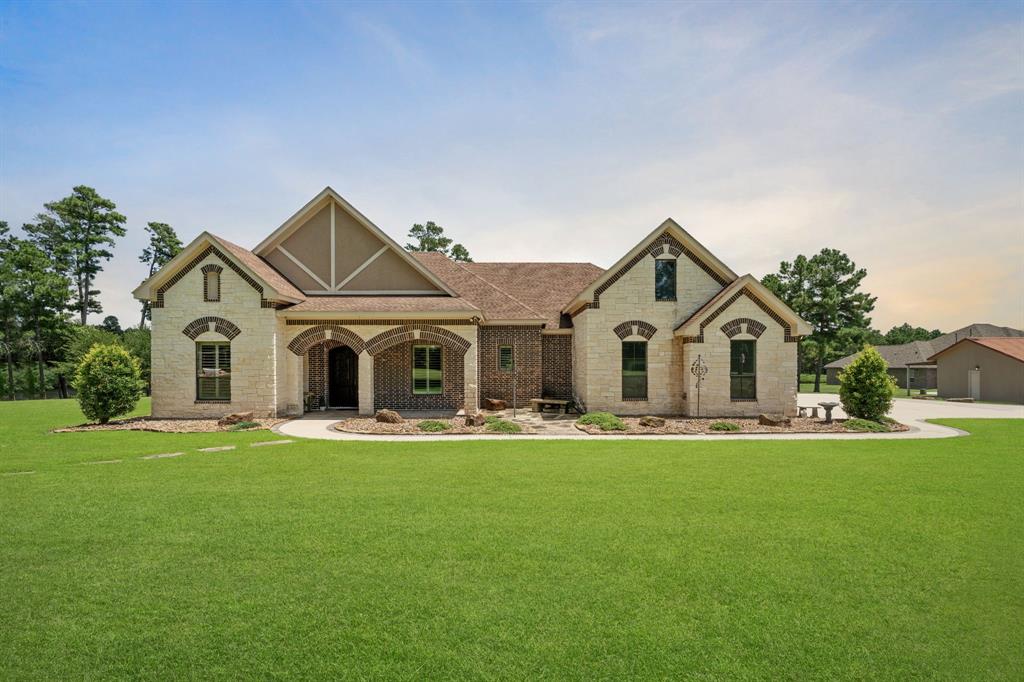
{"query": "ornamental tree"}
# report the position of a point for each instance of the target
(108, 382)
(865, 387)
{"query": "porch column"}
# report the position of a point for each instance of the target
(472, 401)
(365, 384)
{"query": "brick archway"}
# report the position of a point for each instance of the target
(211, 324)
(326, 332)
(413, 332)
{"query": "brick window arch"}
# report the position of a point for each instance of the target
(635, 327)
(211, 324)
(326, 332)
(417, 332)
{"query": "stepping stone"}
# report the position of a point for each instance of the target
(105, 461)
(271, 442)
(222, 448)
(17, 473)
(166, 454)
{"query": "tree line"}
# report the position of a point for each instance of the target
(48, 291)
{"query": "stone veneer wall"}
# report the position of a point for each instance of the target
(775, 367)
(497, 384)
(253, 350)
(597, 355)
(392, 380)
(556, 366)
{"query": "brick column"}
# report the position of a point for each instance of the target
(365, 383)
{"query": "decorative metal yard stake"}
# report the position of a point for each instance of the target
(699, 370)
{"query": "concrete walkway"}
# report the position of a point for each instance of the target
(911, 412)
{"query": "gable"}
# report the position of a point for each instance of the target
(328, 247)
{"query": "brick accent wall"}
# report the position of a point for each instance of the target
(392, 380)
(556, 366)
(497, 384)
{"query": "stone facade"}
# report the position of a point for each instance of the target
(597, 348)
(775, 366)
(253, 349)
(497, 384)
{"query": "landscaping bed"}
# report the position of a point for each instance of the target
(173, 425)
(679, 426)
(427, 427)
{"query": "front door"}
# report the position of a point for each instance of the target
(974, 383)
(343, 377)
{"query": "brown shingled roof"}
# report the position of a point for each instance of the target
(261, 268)
(545, 287)
(492, 299)
(1011, 346)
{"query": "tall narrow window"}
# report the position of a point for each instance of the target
(213, 370)
(742, 370)
(426, 370)
(211, 285)
(664, 280)
(634, 370)
(506, 361)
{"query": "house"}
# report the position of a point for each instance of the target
(328, 311)
(989, 368)
(908, 362)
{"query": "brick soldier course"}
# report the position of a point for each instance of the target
(329, 277)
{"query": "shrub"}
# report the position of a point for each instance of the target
(864, 425)
(244, 426)
(724, 426)
(433, 425)
(499, 425)
(865, 387)
(108, 382)
(606, 421)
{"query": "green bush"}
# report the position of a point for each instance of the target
(724, 426)
(865, 425)
(499, 425)
(606, 421)
(865, 387)
(244, 426)
(433, 425)
(108, 382)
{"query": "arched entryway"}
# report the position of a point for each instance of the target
(342, 378)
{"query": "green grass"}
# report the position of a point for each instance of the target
(606, 421)
(244, 426)
(499, 425)
(516, 559)
(433, 426)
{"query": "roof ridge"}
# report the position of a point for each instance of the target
(494, 286)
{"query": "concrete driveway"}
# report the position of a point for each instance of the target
(906, 410)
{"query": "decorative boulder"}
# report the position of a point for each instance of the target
(475, 419)
(653, 422)
(773, 420)
(388, 417)
(494, 404)
(235, 418)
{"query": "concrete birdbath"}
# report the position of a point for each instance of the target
(828, 410)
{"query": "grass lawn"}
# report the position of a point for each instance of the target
(518, 559)
(807, 386)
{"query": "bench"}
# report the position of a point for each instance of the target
(813, 408)
(538, 404)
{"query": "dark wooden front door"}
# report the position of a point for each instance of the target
(343, 377)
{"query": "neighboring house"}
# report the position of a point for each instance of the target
(989, 368)
(909, 363)
(328, 311)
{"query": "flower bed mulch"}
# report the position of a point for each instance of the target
(747, 425)
(410, 427)
(166, 425)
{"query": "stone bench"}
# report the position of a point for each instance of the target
(804, 408)
(538, 404)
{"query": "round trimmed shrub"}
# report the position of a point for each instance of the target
(108, 383)
(865, 387)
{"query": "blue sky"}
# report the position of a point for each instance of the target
(546, 131)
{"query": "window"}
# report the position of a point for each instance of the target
(634, 370)
(664, 280)
(211, 285)
(742, 370)
(213, 371)
(426, 370)
(506, 361)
